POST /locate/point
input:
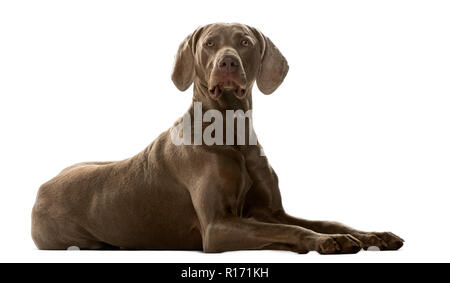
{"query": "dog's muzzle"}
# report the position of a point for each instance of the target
(228, 76)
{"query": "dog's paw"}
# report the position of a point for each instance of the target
(392, 241)
(385, 241)
(338, 244)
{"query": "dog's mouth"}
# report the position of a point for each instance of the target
(218, 89)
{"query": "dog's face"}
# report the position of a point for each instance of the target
(227, 59)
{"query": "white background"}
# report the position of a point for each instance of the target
(359, 132)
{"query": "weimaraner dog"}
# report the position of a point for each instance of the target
(215, 198)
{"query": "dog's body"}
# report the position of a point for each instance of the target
(212, 198)
(135, 203)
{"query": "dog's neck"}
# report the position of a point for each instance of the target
(227, 101)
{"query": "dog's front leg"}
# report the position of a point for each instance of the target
(235, 233)
(266, 205)
(216, 199)
(382, 240)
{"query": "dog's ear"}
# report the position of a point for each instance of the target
(273, 68)
(183, 68)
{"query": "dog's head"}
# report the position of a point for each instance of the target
(227, 59)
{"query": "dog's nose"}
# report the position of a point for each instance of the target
(228, 64)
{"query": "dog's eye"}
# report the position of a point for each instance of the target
(210, 43)
(245, 43)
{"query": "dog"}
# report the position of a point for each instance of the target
(215, 198)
